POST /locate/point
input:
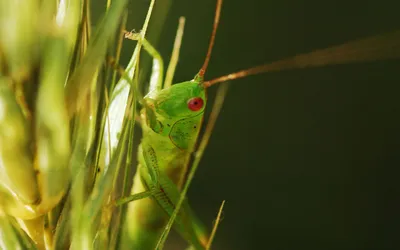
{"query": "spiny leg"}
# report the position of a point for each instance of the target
(157, 59)
(143, 231)
(157, 73)
(168, 195)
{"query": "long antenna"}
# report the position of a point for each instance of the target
(381, 47)
(240, 74)
(212, 39)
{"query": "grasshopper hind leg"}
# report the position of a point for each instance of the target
(142, 231)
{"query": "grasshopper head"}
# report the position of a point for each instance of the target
(177, 111)
(181, 100)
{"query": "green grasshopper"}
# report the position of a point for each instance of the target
(171, 119)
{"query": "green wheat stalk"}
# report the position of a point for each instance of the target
(56, 81)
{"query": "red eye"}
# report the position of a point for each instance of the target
(195, 104)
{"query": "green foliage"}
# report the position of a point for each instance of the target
(56, 81)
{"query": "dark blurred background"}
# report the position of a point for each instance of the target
(305, 159)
